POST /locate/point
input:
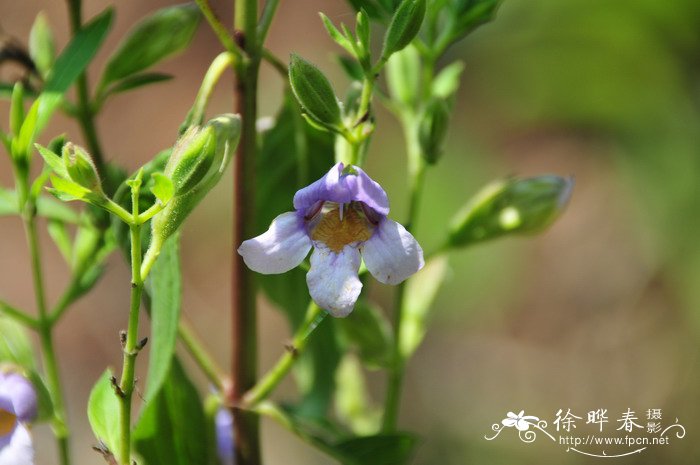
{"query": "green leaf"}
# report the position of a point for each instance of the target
(54, 161)
(421, 290)
(41, 44)
(67, 190)
(292, 155)
(314, 92)
(43, 397)
(47, 207)
(165, 289)
(512, 206)
(367, 329)
(162, 187)
(173, 429)
(15, 346)
(351, 67)
(403, 76)
(446, 82)
(137, 80)
(68, 66)
(381, 449)
(362, 31)
(154, 38)
(59, 234)
(404, 26)
(352, 400)
(103, 413)
(337, 36)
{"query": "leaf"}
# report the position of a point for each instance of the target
(70, 64)
(352, 401)
(41, 44)
(53, 161)
(15, 346)
(162, 187)
(404, 26)
(43, 397)
(446, 82)
(367, 329)
(292, 155)
(137, 80)
(381, 449)
(59, 234)
(337, 36)
(165, 289)
(403, 73)
(47, 207)
(103, 413)
(351, 67)
(421, 290)
(67, 190)
(314, 92)
(154, 38)
(173, 429)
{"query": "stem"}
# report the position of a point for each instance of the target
(60, 427)
(84, 112)
(203, 359)
(131, 346)
(268, 383)
(220, 64)
(18, 315)
(219, 29)
(244, 319)
(268, 13)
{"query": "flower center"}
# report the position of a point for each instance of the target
(7, 422)
(337, 232)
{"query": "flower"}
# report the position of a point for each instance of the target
(224, 436)
(17, 407)
(520, 421)
(343, 216)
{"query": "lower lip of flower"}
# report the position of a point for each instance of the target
(335, 231)
(7, 422)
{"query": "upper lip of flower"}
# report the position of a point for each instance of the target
(340, 215)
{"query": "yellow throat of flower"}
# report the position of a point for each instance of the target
(337, 231)
(7, 422)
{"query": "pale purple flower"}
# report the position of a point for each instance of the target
(343, 216)
(18, 406)
(521, 421)
(224, 436)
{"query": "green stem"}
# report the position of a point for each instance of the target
(84, 112)
(132, 344)
(53, 381)
(206, 363)
(18, 315)
(268, 383)
(219, 29)
(268, 13)
(244, 356)
(220, 64)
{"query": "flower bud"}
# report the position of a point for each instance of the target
(80, 167)
(404, 26)
(512, 206)
(433, 129)
(195, 166)
(314, 92)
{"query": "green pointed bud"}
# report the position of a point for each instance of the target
(404, 26)
(314, 92)
(214, 145)
(511, 206)
(470, 14)
(433, 129)
(80, 167)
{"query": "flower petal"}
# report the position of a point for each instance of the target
(522, 425)
(509, 422)
(337, 187)
(280, 248)
(392, 254)
(333, 281)
(19, 451)
(17, 388)
(224, 436)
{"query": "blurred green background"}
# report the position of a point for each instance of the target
(601, 311)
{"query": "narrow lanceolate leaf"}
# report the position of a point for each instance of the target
(166, 297)
(173, 429)
(421, 291)
(41, 44)
(103, 413)
(314, 92)
(165, 32)
(404, 26)
(68, 66)
(136, 81)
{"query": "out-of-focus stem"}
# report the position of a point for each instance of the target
(203, 359)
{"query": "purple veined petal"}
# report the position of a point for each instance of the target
(224, 436)
(280, 248)
(392, 254)
(19, 449)
(369, 191)
(21, 392)
(332, 279)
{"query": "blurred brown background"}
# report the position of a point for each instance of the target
(600, 311)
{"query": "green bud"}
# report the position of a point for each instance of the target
(433, 129)
(214, 144)
(512, 206)
(404, 26)
(470, 14)
(403, 72)
(80, 167)
(314, 92)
